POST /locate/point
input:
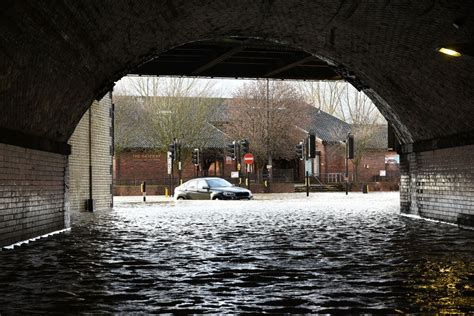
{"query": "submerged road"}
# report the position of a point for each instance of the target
(276, 254)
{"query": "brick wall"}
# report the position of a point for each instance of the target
(135, 167)
(101, 158)
(334, 158)
(32, 193)
(438, 184)
(371, 163)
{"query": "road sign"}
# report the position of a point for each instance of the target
(169, 162)
(248, 158)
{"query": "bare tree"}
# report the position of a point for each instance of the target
(340, 99)
(130, 118)
(168, 108)
(266, 113)
(358, 110)
(325, 95)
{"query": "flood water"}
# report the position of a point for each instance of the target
(282, 253)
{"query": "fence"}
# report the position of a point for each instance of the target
(279, 176)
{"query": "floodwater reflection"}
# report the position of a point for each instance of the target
(328, 253)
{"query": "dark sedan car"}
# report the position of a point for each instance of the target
(211, 189)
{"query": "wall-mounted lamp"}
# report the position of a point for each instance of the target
(450, 52)
(457, 50)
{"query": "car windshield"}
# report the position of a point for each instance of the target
(218, 183)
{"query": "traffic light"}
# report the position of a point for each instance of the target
(178, 151)
(350, 147)
(300, 150)
(311, 143)
(244, 146)
(196, 156)
(172, 149)
(232, 150)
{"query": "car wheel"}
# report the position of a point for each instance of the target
(180, 198)
(217, 198)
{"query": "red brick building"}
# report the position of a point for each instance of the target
(374, 162)
(141, 162)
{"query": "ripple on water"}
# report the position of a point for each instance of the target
(282, 256)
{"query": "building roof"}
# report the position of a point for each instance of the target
(141, 137)
(216, 138)
(331, 129)
(326, 126)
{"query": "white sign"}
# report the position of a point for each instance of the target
(383, 173)
(308, 166)
(234, 174)
(170, 162)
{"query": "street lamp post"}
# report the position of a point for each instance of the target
(270, 160)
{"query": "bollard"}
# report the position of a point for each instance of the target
(143, 189)
(166, 192)
(365, 188)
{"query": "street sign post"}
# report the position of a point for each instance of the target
(248, 158)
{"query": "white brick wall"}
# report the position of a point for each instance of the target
(438, 184)
(31, 193)
(101, 158)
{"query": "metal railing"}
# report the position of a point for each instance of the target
(333, 177)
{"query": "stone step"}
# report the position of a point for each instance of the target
(320, 188)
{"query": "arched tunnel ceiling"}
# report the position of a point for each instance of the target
(238, 58)
(56, 57)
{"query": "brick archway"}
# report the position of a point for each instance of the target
(58, 57)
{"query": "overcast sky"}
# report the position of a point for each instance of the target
(222, 87)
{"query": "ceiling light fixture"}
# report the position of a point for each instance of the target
(450, 52)
(457, 50)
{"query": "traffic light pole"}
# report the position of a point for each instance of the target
(307, 183)
(171, 177)
(247, 179)
(180, 171)
(347, 175)
(173, 150)
(349, 155)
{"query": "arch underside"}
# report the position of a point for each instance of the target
(57, 57)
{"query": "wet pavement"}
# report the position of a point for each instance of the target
(276, 254)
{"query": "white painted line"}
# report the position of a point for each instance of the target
(427, 219)
(12, 246)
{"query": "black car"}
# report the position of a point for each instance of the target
(211, 189)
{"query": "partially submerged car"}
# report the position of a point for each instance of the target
(211, 189)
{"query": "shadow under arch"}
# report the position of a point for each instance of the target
(55, 74)
(150, 65)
